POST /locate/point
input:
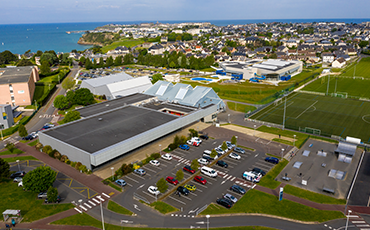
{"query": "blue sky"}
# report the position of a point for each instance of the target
(51, 11)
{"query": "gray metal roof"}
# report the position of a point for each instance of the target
(346, 148)
(107, 80)
(15, 74)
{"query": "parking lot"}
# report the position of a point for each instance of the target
(318, 171)
(203, 194)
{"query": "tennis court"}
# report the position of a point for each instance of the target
(322, 115)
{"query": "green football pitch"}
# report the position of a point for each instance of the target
(323, 115)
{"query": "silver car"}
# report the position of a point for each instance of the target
(230, 197)
(140, 172)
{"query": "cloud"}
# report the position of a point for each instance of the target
(108, 7)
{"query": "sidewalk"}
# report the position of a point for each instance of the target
(145, 151)
(91, 181)
(251, 132)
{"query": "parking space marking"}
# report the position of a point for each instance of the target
(83, 207)
(132, 179)
(186, 197)
(233, 178)
(201, 186)
(232, 163)
(211, 178)
(129, 184)
(198, 190)
(177, 200)
(77, 210)
(148, 194)
(229, 158)
(193, 194)
(225, 176)
(229, 177)
(133, 174)
(146, 168)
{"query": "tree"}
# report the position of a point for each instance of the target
(22, 131)
(117, 61)
(213, 153)
(83, 96)
(224, 146)
(4, 169)
(88, 64)
(6, 57)
(71, 116)
(162, 185)
(233, 140)
(193, 133)
(52, 194)
(71, 97)
(195, 164)
(68, 83)
(180, 175)
(363, 44)
(50, 57)
(109, 61)
(128, 59)
(10, 147)
(24, 62)
(61, 102)
(39, 179)
(157, 77)
(45, 68)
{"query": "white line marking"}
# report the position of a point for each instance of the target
(132, 179)
(78, 210)
(96, 200)
(358, 222)
(306, 109)
(87, 205)
(92, 202)
(177, 200)
(83, 207)
(233, 178)
(105, 194)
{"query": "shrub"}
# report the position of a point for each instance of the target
(126, 169)
(47, 149)
(63, 158)
(82, 168)
(38, 146)
(57, 155)
(155, 155)
(67, 161)
(52, 152)
(106, 182)
(172, 146)
(73, 164)
(78, 164)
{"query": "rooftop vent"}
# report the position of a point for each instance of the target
(100, 119)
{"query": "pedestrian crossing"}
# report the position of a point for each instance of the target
(359, 222)
(84, 206)
(10, 140)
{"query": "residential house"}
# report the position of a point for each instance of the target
(327, 57)
(156, 49)
(338, 63)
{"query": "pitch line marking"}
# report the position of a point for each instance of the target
(364, 119)
(306, 109)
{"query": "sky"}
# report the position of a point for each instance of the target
(53, 11)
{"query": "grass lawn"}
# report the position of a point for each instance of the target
(7, 152)
(208, 70)
(283, 141)
(244, 147)
(14, 197)
(259, 202)
(312, 196)
(54, 78)
(33, 143)
(125, 42)
(115, 187)
(14, 159)
(325, 115)
(240, 107)
(300, 138)
(163, 207)
(269, 179)
(114, 207)
(86, 220)
(362, 69)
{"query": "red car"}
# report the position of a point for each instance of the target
(172, 180)
(189, 169)
(200, 180)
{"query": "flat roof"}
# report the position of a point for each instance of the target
(112, 104)
(15, 74)
(98, 132)
(180, 108)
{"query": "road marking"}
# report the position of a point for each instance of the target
(148, 194)
(233, 178)
(78, 210)
(132, 179)
(83, 207)
(136, 207)
(105, 194)
(223, 182)
(92, 202)
(96, 200)
(146, 168)
(186, 197)
(192, 211)
(141, 177)
(127, 221)
(363, 225)
(229, 177)
(140, 186)
(177, 200)
(99, 197)
(193, 194)
(87, 205)
(358, 222)
(225, 175)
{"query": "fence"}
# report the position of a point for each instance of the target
(311, 92)
(138, 197)
(266, 123)
(201, 209)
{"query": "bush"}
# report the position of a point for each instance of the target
(38, 146)
(67, 161)
(73, 164)
(78, 164)
(155, 155)
(106, 182)
(57, 155)
(82, 168)
(52, 152)
(126, 169)
(63, 158)
(193, 132)
(172, 146)
(47, 149)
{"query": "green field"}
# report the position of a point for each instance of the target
(362, 69)
(353, 87)
(240, 107)
(127, 43)
(330, 115)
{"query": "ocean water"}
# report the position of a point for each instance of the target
(18, 38)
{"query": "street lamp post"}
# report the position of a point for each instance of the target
(294, 139)
(112, 173)
(208, 216)
(102, 216)
(254, 134)
(228, 118)
(236, 137)
(19, 168)
(282, 151)
(349, 213)
(160, 148)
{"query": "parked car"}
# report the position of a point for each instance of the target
(239, 150)
(184, 147)
(258, 170)
(42, 195)
(17, 179)
(237, 189)
(234, 156)
(140, 172)
(229, 145)
(196, 139)
(18, 174)
(193, 143)
(120, 182)
(200, 179)
(219, 150)
(183, 190)
(153, 190)
(20, 184)
(167, 156)
(172, 180)
(154, 162)
(204, 136)
(208, 158)
(190, 187)
(230, 197)
(28, 137)
(224, 202)
(273, 160)
(59, 199)
(222, 164)
(203, 161)
(189, 169)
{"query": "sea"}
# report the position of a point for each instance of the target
(19, 38)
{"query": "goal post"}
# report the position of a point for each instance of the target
(310, 130)
(340, 94)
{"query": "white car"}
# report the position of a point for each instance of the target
(203, 161)
(20, 184)
(196, 139)
(17, 179)
(153, 190)
(167, 156)
(220, 151)
(154, 162)
(234, 156)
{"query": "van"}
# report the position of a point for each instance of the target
(208, 171)
(252, 176)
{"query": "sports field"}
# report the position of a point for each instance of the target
(362, 69)
(329, 115)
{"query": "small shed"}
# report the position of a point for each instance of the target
(14, 213)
